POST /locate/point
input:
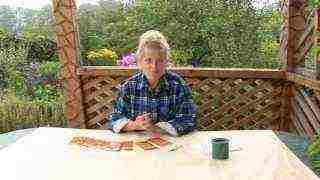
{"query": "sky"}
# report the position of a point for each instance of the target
(37, 4)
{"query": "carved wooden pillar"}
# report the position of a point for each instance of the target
(64, 13)
(317, 41)
(294, 12)
(284, 33)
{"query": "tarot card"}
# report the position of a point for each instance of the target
(112, 146)
(79, 140)
(127, 145)
(100, 144)
(159, 142)
(145, 145)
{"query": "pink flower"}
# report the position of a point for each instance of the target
(128, 60)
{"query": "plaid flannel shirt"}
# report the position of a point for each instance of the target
(170, 105)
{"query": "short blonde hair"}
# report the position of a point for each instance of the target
(154, 40)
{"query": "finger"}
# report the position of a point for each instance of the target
(139, 118)
(149, 125)
(140, 127)
(146, 115)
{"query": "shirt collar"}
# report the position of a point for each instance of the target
(162, 83)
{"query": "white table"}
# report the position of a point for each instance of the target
(46, 155)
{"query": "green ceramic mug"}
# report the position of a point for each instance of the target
(220, 148)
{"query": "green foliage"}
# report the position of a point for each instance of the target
(180, 57)
(15, 72)
(314, 3)
(29, 22)
(46, 93)
(102, 57)
(196, 97)
(94, 41)
(10, 75)
(232, 33)
(18, 83)
(17, 113)
(41, 49)
(49, 68)
(314, 153)
(3, 31)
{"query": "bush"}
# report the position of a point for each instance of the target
(180, 57)
(42, 50)
(234, 34)
(18, 114)
(49, 68)
(10, 60)
(314, 153)
(102, 57)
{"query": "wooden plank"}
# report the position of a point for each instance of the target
(306, 34)
(187, 72)
(307, 110)
(308, 73)
(99, 120)
(312, 83)
(313, 106)
(303, 120)
(317, 95)
(298, 125)
(303, 50)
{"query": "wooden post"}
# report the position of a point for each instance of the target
(317, 41)
(64, 13)
(294, 25)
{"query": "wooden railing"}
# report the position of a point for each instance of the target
(226, 98)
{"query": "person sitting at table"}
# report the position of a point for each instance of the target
(154, 98)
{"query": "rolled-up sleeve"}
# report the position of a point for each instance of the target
(185, 113)
(118, 118)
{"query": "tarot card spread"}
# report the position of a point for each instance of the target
(149, 144)
(96, 143)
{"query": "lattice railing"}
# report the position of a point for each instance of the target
(238, 103)
(223, 103)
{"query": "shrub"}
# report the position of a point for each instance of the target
(16, 113)
(10, 60)
(180, 57)
(48, 68)
(102, 57)
(314, 153)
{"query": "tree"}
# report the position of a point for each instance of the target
(218, 33)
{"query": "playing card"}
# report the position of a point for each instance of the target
(145, 145)
(158, 141)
